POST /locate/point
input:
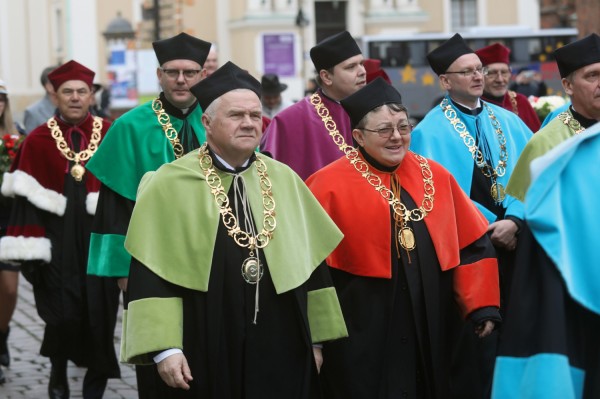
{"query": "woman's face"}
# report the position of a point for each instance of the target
(385, 136)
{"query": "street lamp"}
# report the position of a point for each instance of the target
(302, 22)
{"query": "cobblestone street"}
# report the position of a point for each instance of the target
(27, 377)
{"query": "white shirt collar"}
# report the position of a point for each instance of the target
(227, 165)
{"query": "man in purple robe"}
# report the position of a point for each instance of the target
(301, 135)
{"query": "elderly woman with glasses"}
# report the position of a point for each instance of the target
(415, 258)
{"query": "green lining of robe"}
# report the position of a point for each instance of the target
(543, 141)
(108, 257)
(144, 328)
(135, 144)
(174, 224)
(325, 316)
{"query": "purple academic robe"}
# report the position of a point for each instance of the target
(297, 136)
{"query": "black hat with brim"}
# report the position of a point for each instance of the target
(333, 50)
(270, 84)
(369, 97)
(181, 47)
(225, 79)
(578, 54)
(442, 57)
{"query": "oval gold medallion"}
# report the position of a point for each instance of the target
(407, 238)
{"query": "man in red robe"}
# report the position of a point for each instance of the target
(48, 233)
(495, 61)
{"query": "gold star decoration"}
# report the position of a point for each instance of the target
(409, 75)
(428, 79)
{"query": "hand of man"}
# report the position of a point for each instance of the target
(175, 372)
(122, 283)
(318, 353)
(484, 329)
(504, 234)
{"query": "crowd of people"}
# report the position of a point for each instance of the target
(322, 249)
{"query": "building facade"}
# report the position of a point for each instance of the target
(259, 35)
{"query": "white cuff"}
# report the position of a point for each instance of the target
(165, 354)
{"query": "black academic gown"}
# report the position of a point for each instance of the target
(229, 356)
(69, 301)
(408, 325)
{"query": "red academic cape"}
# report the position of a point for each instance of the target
(38, 172)
(364, 217)
(524, 109)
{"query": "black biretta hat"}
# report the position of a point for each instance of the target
(226, 78)
(181, 47)
(578, 54)
(443, 56)
(333, 50)
(369, 97)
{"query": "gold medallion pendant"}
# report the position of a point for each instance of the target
(77, 171)
(252, 270)
(407, 238)
(498, 192)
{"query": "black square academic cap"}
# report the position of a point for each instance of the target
(333, 50)
(443, 56)
(226, 78)
(369, 97)
(578, 54)
(181, 47)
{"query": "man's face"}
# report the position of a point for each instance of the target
(73, 100)
(584, 90)
(235, 129)
(497, 79)
(466, 87)
(176, 85)
(271, 100)
(211, 64)
(347, 78)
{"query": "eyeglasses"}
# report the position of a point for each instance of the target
(387, 132)
(187, 73)
(505, 73)
(469, 73)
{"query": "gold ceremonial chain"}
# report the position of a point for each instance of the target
(328, 121)
(406, 236)
(497, 191)
(570, 121)
(251, 268)
(165, 122)
(77, 170)
(512, 96)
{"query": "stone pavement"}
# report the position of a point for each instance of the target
(27, 377)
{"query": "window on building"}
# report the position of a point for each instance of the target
(330, 18)
(464, 13)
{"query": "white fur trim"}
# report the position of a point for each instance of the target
(91, 202)
(25, 248)
(20, 183)
(7, 185)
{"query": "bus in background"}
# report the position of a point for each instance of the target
(403, 57)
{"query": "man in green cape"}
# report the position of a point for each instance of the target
(579, 67)
(141, 140)
(228, 290)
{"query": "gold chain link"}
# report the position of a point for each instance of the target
(569, 120)
(241, 238)
(63, 147)
(165, 122)
(362, 167)
(469, 141)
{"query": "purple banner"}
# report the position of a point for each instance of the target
(278, 50)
